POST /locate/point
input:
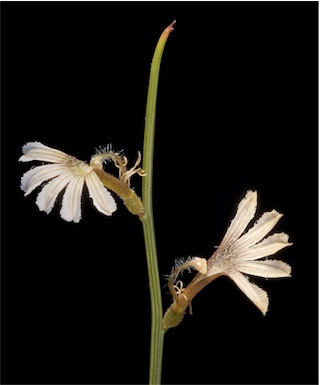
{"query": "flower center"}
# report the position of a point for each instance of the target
(78, 167)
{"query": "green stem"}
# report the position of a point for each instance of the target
(157, 332)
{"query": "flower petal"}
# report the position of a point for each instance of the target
(102, 199)
(261, 228)
(71, 202)
(50, 191)
(245, 212)
(37, 175)
(258, 296)
(266, 269)
(268, 246)
(38, 151)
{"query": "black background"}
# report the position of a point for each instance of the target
(237, 110)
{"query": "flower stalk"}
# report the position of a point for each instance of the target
(157, 332)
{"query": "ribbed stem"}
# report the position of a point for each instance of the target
(157, 333)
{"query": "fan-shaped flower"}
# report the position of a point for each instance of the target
(239, 254)
(64, 172)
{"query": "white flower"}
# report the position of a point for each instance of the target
(240, 254)
(65, 172)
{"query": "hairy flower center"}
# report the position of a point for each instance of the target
(224, 260)
(78, 167)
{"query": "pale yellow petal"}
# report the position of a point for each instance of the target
(38, 151)
(266, 269)
(71, 202)
(245, 212)
(261, 228)
(258, 296)
(268, 246)
(101, 197)
(37, 175)
(48, 195)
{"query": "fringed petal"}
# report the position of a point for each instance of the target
(261, 228)
(38, 151)
(266, 269)
(48, 195)
(71, 202)
(102, 199)
(258, 296)
(37, 175)
(268, 246)
(245, 212)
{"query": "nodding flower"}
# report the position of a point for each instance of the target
(65, 172)
(239, 254)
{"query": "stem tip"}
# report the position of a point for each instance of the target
(170, 27)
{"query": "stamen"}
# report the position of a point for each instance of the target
(179, 288)
(125, 176)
